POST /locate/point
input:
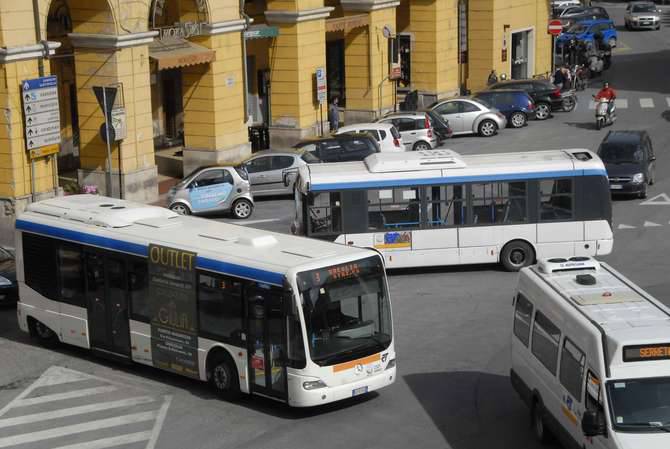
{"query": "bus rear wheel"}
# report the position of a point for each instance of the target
(516, 255)
(538, 422)
(224, 379)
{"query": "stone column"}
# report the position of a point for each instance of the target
(123, 60)
(434, 28)
(295, 55)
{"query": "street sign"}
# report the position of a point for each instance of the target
(44, 151)
(119, 123)
(41, 114)
(109, 97)
(104, 130)
(555, 27)
(321, 85)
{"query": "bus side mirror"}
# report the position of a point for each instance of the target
(593, 423)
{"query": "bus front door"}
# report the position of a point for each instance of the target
(267, 342)
(107, 298)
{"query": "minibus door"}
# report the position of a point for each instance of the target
(266, 341)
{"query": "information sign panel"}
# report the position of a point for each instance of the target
(41, 114)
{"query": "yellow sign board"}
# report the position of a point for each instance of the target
(44, 151)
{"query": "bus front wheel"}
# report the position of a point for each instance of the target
(539, 424)
(44, 335)
(224, 379)
(516, 255)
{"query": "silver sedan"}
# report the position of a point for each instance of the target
(469, 116)
(642, 15)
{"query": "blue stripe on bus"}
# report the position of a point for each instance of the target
(453, 180)
(255, 274)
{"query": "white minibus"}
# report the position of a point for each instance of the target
(297, 320)
(591, 356)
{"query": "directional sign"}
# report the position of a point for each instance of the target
(41, 115)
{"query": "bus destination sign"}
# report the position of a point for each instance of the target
(172, 296)
(641, 353)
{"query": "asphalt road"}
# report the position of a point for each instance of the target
(452, 329)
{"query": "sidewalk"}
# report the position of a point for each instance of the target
(164, 185)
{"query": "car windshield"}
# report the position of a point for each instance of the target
(188, 178)
(577, 28)
(346, 309)
(621, 154)
(640, 405)
(644, 8)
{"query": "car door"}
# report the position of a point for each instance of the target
(450, 111)
(211, 190)
(469, 113)
(275, 178)
(407, 128)
(258, 170)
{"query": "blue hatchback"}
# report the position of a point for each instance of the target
(516, 105)
(585, 30)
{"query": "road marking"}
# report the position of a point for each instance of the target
(60, 396)
(592, 104)
(661, 199)
(72, 411)
(77, 428)
(624, 226)
(158, 425)
(651, 224)
(110, 442)
(646, 103)
(621, 103)
(667, 99)
(251, 222)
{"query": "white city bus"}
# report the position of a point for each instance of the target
(441, 208)
(293, 319)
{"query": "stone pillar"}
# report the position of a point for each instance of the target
(434, 28)
(369, 92)
(107, 60)
(215, 130)
(295, 55)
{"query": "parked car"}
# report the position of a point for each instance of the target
(467, 115)
(560, 4)
(629, 160)
(642, 15)
(266, 171)
(416, 130)
(589, 13)
(585, 30)
(338, 148)
(213, 189)
(385, 134)
(516, 105)
(545, 95)
(9, 289)
(572, 11)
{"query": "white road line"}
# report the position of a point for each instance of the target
(667, 100)
(61, 396)
(110, 442)
(624, 226)
(57, 375)
(651, 224)
(42, 435)
(72, 411)
(158, 425)
(646, 103)
(621, 103)
(251, 222)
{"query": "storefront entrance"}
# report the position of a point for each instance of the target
(521, 56)
(168, 108)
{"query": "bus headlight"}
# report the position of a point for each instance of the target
(391, 364)
(313, 384)
(638, 178)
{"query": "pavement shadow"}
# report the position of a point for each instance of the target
(446, 269)
(639, 72)
(471, 409)
(583, 125)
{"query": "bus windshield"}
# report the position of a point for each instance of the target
(640, 405)
(347, 311)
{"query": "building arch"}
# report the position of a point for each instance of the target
(87, 16)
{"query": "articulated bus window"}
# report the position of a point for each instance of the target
(71, 271)
(445, 205)
(390, 209)
(556, 199)
(39, 255)
(138, 286)
(502, 202)
(324, 213)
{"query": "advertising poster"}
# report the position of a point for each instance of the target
(172, 296)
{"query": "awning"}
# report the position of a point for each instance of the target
(346, 24)
(173, 53)
(261, 31)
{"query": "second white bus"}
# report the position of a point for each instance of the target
(441, 208)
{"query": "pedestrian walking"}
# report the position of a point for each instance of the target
(334, 115)
(493, 78)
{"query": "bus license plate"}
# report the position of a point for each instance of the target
(360, 390)
(616, 186)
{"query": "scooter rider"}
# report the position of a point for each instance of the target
(607, 93)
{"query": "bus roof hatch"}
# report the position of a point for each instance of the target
(415, 160)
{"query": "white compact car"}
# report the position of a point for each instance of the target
(385, 134)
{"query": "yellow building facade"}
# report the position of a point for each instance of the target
(196, 78)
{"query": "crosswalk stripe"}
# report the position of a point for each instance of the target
(104, 443)
(60, 376)
(621, 103)
(57, 432)
(667, 99)
(646, 103)
(61, 396)
(72, 411)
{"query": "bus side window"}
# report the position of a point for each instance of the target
(40, 264)
(445, 205)
(71, 274)
(593, 400)
(220, 307)
(324, 213)
(545, 341)
(556, 199)
(138, 286)
(522, 314)
(573, 362)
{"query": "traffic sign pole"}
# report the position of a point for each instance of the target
(109, 146)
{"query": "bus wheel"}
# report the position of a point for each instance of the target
(44, 335)
(223, 377)
(537, 421)
(516, 255)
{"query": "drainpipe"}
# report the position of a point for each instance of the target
(245, 80)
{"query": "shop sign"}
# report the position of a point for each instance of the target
(41, 114)
(180, 31)
(395, 72)
(321, 86)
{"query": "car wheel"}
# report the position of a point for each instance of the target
(487, 128)
(224, 379)
(516, 255)
(611, 42)
(542, 111)
(518, 120)
(242, 208)
(180, 208)
(539, 425)
(421, 146)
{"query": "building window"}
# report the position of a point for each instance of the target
(390, 209)
(138, 286)
(335, 71)
(324, 213)
(501, 202)
(545, 342)
(556, 199)
(71, 271)
(40, 265)
(522, 314)
(220, 307)
(573, 362)
(445, 206)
